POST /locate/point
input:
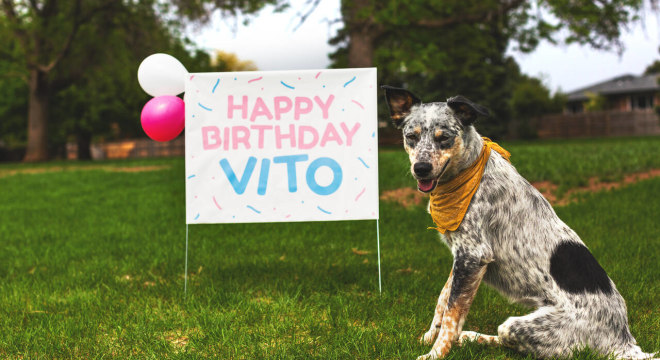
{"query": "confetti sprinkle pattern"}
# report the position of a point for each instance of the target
(287, 85)
(338, 122)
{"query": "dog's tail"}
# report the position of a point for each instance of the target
(631, 351)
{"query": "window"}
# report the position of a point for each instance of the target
(644, 101)
(574, 107)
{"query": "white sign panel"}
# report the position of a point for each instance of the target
(281, 146)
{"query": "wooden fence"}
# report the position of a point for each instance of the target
(599, 124)
(135, 148)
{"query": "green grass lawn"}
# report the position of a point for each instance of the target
(92, 265)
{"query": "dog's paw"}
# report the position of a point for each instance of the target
(467, 336)
(477, 337)
(432, 355)
(429, 336)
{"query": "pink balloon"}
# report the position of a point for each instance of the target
(163, 117)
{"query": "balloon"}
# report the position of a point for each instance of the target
(163, 117)
(162, 74)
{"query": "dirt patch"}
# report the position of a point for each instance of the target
(179, 338)
(595, 185)
(125, 169)
(547, 189)
(409, 197)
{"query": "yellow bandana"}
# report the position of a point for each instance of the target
(450, 201)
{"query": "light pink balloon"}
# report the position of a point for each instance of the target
(163, 117)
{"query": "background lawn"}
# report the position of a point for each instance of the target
(92, 264)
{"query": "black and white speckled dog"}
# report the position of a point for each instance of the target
(511, 238)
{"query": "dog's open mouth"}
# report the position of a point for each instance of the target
(427, 185)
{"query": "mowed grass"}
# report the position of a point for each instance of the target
(567, 163)
(92, 264)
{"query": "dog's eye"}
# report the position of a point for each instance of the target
(441, 138)
(412, 137)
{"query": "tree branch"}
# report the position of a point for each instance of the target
(79, 20)
(35, 6)
(303, 17)
(470, 18)
(17, 28)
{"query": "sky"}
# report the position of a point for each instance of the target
(272, 44)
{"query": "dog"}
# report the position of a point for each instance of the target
(509, 237)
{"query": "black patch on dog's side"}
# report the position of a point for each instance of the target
(575, 270)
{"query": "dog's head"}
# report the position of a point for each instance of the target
(434, 134)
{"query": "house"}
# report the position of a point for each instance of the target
(622, 93)
(622, 106)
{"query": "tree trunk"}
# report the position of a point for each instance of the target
(361, 47)
(37, 146)
(84, 141)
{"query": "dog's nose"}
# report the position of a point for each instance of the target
(422, 168)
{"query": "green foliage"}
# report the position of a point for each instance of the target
(596, 102)
(13, 90)
(529, 100)
(13, 107)
(653, 68)
(465, 60)
(94, 91)
(93, 267)
(442, 48)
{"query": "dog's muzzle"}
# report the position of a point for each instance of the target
(422, 170)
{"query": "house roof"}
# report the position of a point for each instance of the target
(618, 85)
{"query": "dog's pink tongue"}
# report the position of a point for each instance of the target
(425, 185)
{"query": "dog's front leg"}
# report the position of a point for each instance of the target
(466, 276)
(436, 324)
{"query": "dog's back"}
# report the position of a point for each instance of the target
(541, 262)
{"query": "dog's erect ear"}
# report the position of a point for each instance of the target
(399, 101)
(465, 110)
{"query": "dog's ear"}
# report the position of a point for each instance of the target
(399, 101)
(465, 110)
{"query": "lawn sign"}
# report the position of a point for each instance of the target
(269, 146)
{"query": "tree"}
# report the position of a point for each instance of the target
(229, 61)
(455, 46)
(596, 102)
(596, 23)
(45, 32)
(530, 99)
(653, 68)
(48, 32)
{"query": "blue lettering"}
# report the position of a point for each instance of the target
(336, 171)
(290, 161)
(263, 177)
(239, 186)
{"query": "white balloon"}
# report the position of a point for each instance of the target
(162, 74)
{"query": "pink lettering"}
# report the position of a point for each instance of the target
(304, 129)
(260, 109)
(349, 133)
(226, 147)
(291, 136)
(279, 109)
(330, 134)
(210, 133)
(261, 129)
(324, 106)
(231, 107)
(300, 109)
(243, 137)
